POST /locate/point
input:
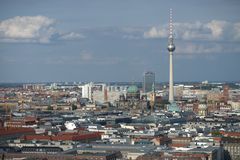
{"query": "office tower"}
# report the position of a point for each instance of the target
(148, 81)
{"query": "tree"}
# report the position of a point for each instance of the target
(216, 133)
(59, 108)
(74, 106)
(50, 108)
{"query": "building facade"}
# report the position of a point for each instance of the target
(148, 81)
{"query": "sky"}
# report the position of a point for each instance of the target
(118, 40)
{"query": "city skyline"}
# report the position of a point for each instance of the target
(118, 41)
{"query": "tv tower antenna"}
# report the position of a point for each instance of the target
(171, 46)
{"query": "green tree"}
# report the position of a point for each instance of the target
(50, 108)
(216, 133)
(74, 106)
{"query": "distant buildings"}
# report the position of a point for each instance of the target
(132, 126)
(33, 86)
(101, 92)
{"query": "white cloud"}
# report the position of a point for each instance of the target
(71, 36)
(237, 31)
(191, 48)
(217, 28)
(214, 30)
(156, 33)
(201, 38)
(86, 56)
(32, 29)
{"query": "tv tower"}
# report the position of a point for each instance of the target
(171, 48)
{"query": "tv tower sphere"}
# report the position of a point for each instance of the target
(171, 47)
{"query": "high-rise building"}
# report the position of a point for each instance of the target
(87, 91)
(148, 81)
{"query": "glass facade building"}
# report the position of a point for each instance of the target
(148, 81)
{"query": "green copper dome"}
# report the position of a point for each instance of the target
(132, 89)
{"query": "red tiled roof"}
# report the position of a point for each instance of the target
(65, 136)
(30, 119)
(11, 131)
(217, 139)
(231, 134)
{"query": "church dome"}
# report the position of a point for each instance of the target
(132, 89)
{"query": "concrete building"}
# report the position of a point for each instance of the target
(202, 110)
(87, 91)
(232, 150)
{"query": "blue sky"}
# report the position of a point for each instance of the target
(110, 40)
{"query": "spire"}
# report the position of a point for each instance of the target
(170, 25)
(153, 98)
(153, 87)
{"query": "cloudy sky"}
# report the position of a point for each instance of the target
(117, 40)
